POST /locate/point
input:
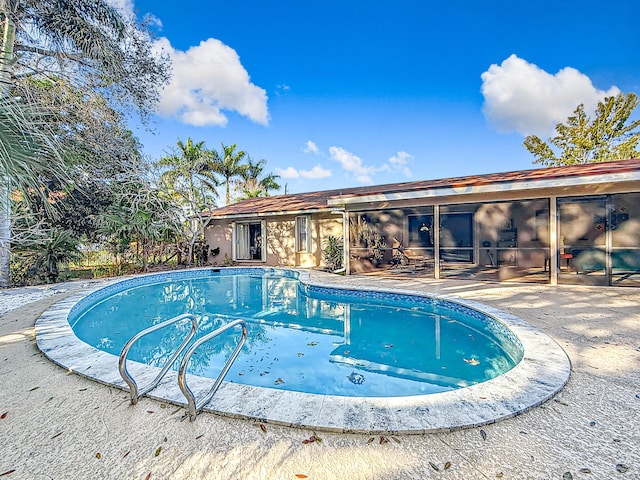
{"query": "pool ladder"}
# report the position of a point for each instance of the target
(194, 407)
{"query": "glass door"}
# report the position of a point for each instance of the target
(249, 241)
(583, 251)
(456, 238)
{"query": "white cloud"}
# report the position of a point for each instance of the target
(519, 96)
(400, 161)
(282, 89)
(315, 173)
(125, 7)
(353, 164)
(288, 172)
(311, 147)
(207, 80)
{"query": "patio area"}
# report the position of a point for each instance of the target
(58, 425)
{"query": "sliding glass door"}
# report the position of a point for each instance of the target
(249, 241)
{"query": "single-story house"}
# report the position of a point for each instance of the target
(577, 224)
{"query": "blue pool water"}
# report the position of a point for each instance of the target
(302, 337)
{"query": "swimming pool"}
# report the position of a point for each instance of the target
(370, 383)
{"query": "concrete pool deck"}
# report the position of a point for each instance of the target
(64, 426)
(538, 376)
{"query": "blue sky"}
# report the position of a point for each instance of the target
(336, 94)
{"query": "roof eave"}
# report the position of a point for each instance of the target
(237, 216)
(507, 186)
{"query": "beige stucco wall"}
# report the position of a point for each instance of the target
(218, 235)
(280, 239)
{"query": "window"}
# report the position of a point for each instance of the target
(420, 230)
(303, 234)
(456, 237)
(248, 241)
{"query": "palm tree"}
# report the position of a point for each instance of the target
(189, 178)
(254, 184)
(229, 165)
(85, 41)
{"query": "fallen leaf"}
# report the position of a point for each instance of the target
(585, 470)
(499, 475)
(447, 465)
(82, 390)
(158, 450)
(301, 475)
(483, 434)
(312, 439)
(312, 344)
(621, 467)
(199, 436)
(150, 411)
(262, 426)
(8, 472)
(126, 454)
(279, 381)
(57, 435)
(371, 439)
(567, 476)
(383, 439)
(472, 361)
(98, 455)
(4, 415)
(300, 354)
(34, 388)
(395, 439)
(148, 477)
(434, 466)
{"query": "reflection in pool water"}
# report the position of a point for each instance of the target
(315, 340)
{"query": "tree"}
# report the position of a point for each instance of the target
(606, 138)
(254, 184)
(86, 42)
(189, 179)
(229, 165)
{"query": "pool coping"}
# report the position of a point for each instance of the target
(541, 374)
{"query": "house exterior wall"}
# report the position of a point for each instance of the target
(218, 235)
(280, 239)
(511, 234)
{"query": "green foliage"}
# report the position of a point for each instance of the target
(365, 235)
(606, 138)
(254, 184)
(188, 180)
(228, 164)
(69, 72)
(42, 259)
(333, 253)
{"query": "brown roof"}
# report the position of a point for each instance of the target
(299, 202)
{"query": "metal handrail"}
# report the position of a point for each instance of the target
(122, 364)
(195, 407)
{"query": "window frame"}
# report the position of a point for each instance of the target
(303, 245)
